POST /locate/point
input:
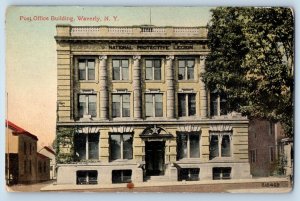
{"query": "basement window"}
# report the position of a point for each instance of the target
(221, 173)
(87, 177)
(121, 176)
(188, 174)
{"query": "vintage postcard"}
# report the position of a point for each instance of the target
(149, 99)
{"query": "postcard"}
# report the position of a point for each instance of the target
(149, 99)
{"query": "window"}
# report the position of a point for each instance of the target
(86, 146)
(87, 177)
(120, 105)
(24, 148)
(153, 69)
(121, 176)
(86, 69)
(189, 174)
(220, 173)
(25, 166)
(87, 105)
(186, 69)
(188, 145)
(253, 156)
(186, 105)
(30, 148)
(120, 146)
(40, 167)
(154, 105)
(271, 128)
(30, 168)
(218, 104)
(45, 166)
(272, 154)
(120, 69)
(219, 145)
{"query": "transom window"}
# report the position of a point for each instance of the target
(186, 69)
(120, 146)
(219, 145)
(87, 105)
(120, 105)
(153, 69)
(186, 104)
(120, 69)
(154, 105)
(188, 145)
(86, 69)
(86, 146)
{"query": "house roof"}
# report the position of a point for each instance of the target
(19, 131)
(42, 156)
(49, 149)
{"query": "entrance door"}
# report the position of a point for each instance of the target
(155, 158)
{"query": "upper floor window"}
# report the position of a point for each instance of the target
(188, 145)
(120, 105)
(186, 69)
(87, 105)
(86, 146)
(218, 104)
(120, 146)
(219, 145)
(86, 69)
(120, 69)
(24, 148)
(154, 105)
(153, 69)
(186, 104)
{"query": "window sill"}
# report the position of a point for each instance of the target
(121, 119)
(188, 81)
(121, 81)
(87, 81)
(122, 161)
(154, 81)
(222, 159)
(189, 117)
(154, 118)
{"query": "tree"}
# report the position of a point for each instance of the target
(251, 61)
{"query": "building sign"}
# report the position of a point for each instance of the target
(149, 47)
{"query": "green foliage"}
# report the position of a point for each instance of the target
(64, 139)
(279, 166)
(252, 61)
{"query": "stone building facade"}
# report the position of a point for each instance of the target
(132, 107)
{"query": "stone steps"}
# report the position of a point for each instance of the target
(157, 178)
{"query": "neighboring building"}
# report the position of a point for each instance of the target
(132, 106)
(21, 157)
(264, 149)
(21, 153)
(43, 168)
(50, 153)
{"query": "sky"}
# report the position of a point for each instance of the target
(31, 54)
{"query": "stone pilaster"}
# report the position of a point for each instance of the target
(203, 93)
(170, 87)
(137, 92)
(103, 88)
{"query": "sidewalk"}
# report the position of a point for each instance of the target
(237, 185)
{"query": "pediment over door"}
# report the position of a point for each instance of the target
(155, 132)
